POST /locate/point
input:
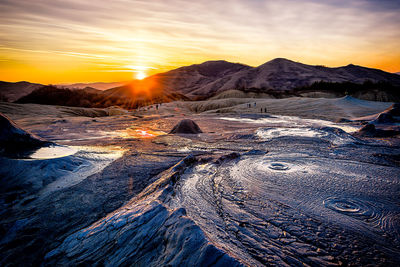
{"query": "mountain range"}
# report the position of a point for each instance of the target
(280, 74)
(99, 85)
(211, 78)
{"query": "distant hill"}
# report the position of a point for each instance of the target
(52, 95)
(13, 91)
(98, 85)
(89, 97)
(145, 92)
(191, 79)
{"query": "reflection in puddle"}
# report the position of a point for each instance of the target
(51, 152)
(141, 133)
(125, 134)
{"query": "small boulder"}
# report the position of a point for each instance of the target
(368, 130)
(186, 126)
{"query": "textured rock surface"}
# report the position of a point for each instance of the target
(145, 232)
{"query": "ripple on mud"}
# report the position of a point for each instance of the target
(351, 207)
(374, 215)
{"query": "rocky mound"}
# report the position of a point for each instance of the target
(186, 126)
(369, 130)
(390, 115)
(13, 138)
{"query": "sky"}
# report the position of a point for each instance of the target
(54, 41)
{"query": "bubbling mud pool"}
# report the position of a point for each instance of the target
(296, 209)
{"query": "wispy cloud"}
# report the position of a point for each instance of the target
(169, 33)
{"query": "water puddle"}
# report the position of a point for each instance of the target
(269, 133)
(50, 152)
(90, 160)
(128, 133)
(294, 122)
(334, 135)
(141, 133)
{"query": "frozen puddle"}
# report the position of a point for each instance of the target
(91, 160)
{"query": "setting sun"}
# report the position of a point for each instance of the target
(140, 75)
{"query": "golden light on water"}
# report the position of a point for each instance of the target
(142, 133)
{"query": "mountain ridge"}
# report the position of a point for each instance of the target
(216, 76)
(279, 74)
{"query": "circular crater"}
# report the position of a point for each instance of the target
(351, 207)
(278, 166)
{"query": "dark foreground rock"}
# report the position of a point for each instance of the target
(13, 138)
(186, 127)
(29, 230)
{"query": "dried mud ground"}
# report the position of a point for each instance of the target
(252, 189)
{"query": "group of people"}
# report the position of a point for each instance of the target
(145, 108)
(249, 105)
(255, 105)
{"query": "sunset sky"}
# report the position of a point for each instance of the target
(52, 41)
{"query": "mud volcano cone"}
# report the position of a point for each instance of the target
(186, 126)
(13, 138)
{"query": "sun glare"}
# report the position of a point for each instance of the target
(140, 75)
